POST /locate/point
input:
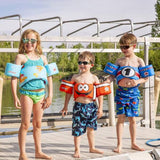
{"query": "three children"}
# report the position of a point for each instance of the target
(129, 71)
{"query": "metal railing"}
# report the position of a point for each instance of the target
(44, 19)
(19, 19)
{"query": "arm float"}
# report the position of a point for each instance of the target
(66, 86)
(146, 71)
(111, 68)
(27, 73)
(13, 70)
(51, 69)
(103, 89)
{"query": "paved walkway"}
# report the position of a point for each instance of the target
(59, 144)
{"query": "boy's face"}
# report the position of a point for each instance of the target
(127, 49)
(84, 65)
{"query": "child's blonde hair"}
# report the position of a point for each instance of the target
(127, 39)
(87, 54)
(24, 35)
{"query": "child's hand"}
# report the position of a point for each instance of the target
(99, 113)
(64, 111)
(133, 82)
(46, 102)
(17, 103)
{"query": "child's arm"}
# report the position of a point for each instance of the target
(109, 79)
(17, 104)
(141, 80)
(48, 101)
(100, 101)
(65, 108)
(100, 106)
(67, 99)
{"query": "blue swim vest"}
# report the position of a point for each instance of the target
(31, 70)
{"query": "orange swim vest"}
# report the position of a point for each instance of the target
(84, 90)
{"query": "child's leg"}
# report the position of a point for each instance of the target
(37, 118)
(77, 146)
(90, 135)
(119, 128)
(26, 109)
(132, 128)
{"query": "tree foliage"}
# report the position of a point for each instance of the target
(7, 57)
(67, 62)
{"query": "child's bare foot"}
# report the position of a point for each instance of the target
(23, 157)
(42, 156)
(76, 154)
(118, 149)
(94, 150)
(135, 147)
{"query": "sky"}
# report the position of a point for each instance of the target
(104, 10)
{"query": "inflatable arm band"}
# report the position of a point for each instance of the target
(51, 69)
(103, 89)
(13, 70)
(111, 69)
(146, 71)
(66, 86)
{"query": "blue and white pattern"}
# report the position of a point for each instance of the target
(84, 115)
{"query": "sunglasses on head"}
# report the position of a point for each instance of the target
(26, 40)
(84, 62)
(125, 47)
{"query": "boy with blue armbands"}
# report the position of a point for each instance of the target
(34, 73)
(129, 71)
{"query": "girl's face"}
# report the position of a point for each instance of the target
(30, 43)
(84, 65)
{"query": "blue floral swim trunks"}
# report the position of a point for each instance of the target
(127, 101)
(84, 115)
